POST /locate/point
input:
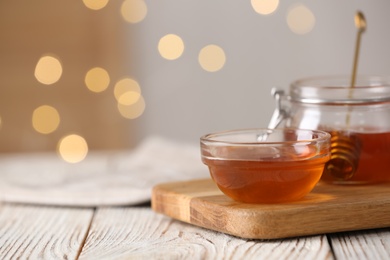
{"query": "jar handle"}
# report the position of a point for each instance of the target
(279, 113)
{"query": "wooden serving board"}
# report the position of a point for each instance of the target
(327, 209)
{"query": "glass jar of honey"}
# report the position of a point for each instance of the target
(357, 117)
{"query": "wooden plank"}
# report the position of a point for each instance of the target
(372, 244)
(31, 232)
(140, 233)
(327, 209)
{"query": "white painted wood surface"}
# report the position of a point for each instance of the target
(139, 233)
(42, 232)
(30, 232)
(372, 244)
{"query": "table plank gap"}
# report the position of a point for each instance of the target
(84, 240)
(37, 232)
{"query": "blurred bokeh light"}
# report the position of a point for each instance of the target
(134, 110)
(134, 11)
(72, 148)
(45, 119)
(265, 7)
(48, 70)
(300, 19)
(95, 4)
(171, 47)
(212, 58)
(97, 79)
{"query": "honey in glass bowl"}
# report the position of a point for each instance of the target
(264, 165)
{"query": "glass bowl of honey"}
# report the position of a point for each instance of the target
(266, 165)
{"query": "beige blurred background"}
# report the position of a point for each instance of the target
(98, 75)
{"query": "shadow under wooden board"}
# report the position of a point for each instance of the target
(327, 209)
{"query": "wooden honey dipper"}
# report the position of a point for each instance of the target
(345, 148)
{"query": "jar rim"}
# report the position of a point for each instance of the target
(336, 89)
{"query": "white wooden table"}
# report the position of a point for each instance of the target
(83, 217)
(45, 232)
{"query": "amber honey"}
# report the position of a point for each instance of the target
(266, 181)
(372, 151)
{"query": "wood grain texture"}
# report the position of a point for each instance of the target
(140, 233)
(372, 244)
(30, 232)
(327, 209)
